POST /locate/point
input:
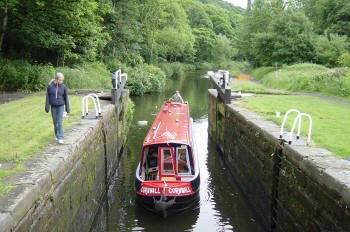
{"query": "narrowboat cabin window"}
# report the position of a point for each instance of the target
(182, 161)
(167, 162)
(151, 163)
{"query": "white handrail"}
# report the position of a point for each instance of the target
(85, 102)
(299, 117)
(285, 119)
(122, 77)
(118, 73)
(98, 102)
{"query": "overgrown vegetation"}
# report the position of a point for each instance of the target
(275, 32)
(163, 33)
(331, 127)
(173, 35)
(307, 78)
(23, 76)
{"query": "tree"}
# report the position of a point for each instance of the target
(204, 42)
(329, 48)
(220, 20)
(58, 31)
(6, 7)
(222, 50)
(287, 40)
(255, 21)
(329, 16)
(124, 26)
(167, 31)
(174, 45)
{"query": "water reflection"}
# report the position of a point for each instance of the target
(221, 206)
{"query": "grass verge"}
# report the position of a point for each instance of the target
(25, 129)
(331, 126)
(252, 87)
(308, 78)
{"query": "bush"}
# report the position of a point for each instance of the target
(328, 49)
(344, 60)
(205, 65)
(21, 75)
(334, 82)
(87, 76)
(310, 78)
(145, 79)
(175, 70)
(259, 73)
(236, 67)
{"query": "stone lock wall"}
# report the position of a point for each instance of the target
(291, 187)
(63, 186)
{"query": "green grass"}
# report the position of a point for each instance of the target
(310, 78)
(26, 128)
(252, 87)
(331, 124)
(260, 72)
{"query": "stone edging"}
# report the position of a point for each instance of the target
(44, 172)
(328, 169)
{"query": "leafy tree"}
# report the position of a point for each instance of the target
(344, 60)
(256, 21)
(173, 44)
(167, 31)
(61, 31)
(220, 20)
(286, 41)
(124, 26)
(222, 50)
(197, 16)
(152, 18)
(329, 48)
(6, 7)
(204, 43)
(329, 16)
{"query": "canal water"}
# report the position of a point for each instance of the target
(222, 206)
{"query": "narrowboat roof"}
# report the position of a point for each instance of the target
(171, 125)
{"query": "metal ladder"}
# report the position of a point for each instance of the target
(297, 119)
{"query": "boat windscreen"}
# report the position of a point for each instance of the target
(167, 161)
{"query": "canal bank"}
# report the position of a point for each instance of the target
(62, 186)
(291, 187)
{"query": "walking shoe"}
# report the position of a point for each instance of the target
(56, 138)
(60, 141)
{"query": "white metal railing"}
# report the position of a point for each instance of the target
(117, 77)
(285, 119)
(297, 119)
(123, 77)
(85, 105)
(225, 75)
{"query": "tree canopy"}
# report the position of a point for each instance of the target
(133, 32)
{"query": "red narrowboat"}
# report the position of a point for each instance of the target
(167, 176)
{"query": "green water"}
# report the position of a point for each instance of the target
(221, 207)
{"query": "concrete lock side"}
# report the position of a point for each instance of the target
(62, 185)
(291, 187)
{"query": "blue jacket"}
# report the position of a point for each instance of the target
(56, 95)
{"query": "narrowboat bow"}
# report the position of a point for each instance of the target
(167, 176)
